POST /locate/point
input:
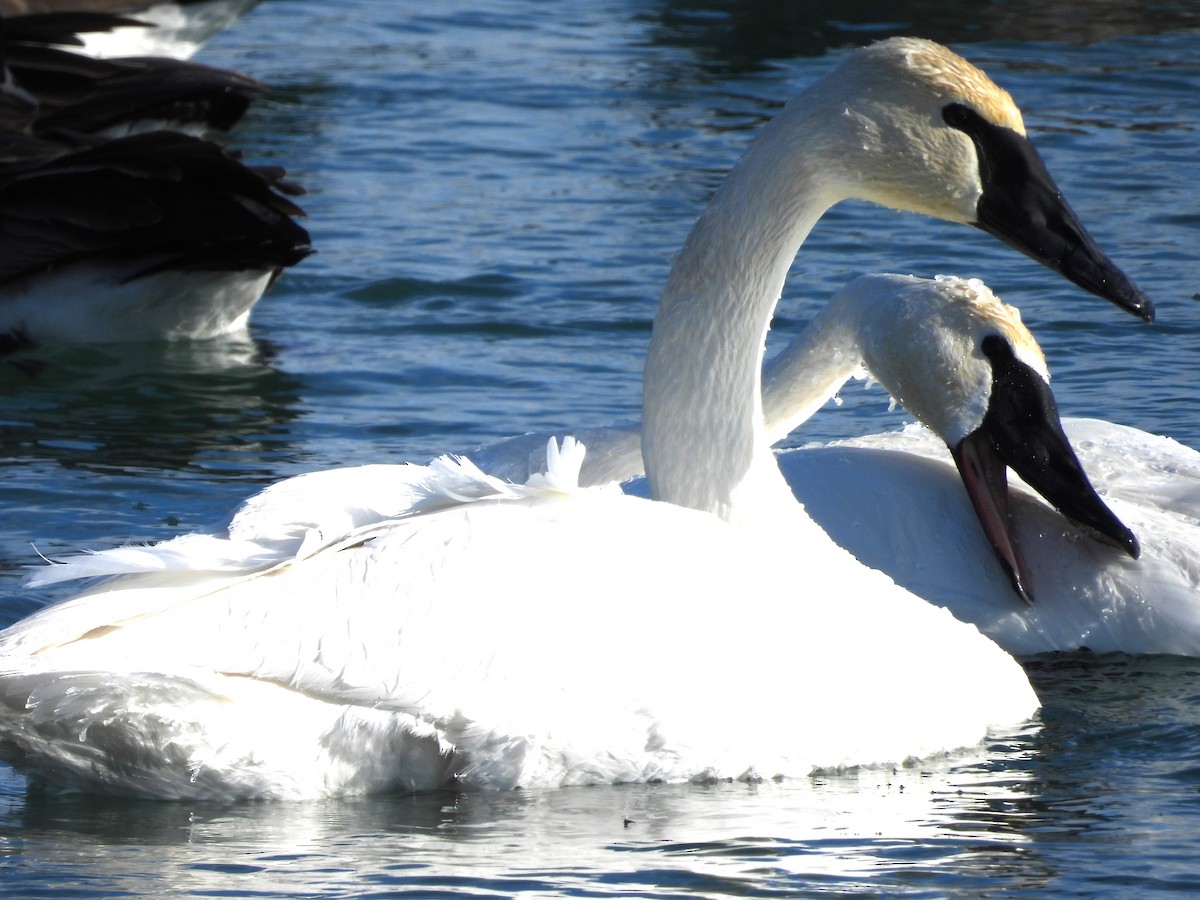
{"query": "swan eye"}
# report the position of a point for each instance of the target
(997, 349)
(957, 115)
(1018, 392)
(1006, 158)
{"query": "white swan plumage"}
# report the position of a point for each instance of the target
(581, 636)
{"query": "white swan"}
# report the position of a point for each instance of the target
(492, 687)
(155, 236)
(497, 636)
(1100, 595)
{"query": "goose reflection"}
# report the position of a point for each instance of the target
(221, 403)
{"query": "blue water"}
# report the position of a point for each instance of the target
(496, 196)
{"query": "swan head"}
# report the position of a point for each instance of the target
(921, 129)
(960, 360)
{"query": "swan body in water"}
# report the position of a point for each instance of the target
(1120, 594)
(1087, 595)
(610, 669)
(489, 635)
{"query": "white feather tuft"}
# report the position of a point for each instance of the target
(563, 464)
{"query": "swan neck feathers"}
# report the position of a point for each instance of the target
(702, 408)
(808, 373)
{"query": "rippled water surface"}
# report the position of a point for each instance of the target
(495, 195)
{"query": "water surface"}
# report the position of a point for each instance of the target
(496, 197)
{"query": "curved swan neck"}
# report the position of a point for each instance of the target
(703, 440)
(811, 369)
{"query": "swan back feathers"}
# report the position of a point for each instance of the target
(304, 515)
